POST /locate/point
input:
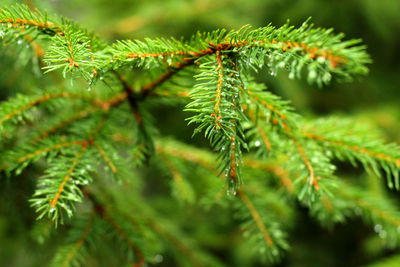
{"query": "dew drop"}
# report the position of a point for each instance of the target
(312, 74)
(321, 59)
(223, 148)
(19, 42)
(257, 143)
(158, 258)
(101, 78)
(52, 210)
(314, 160)
(234, 192)
(272, 73)
(378, 228)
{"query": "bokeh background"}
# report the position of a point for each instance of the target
(376, 97)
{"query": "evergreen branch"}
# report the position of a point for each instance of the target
(80, 242)
(256, 217)
(104, 155)
(20, 104)
(21, 16)
(59, 125)
(279, 172)
(312, 180)
(102, 210)
(342, 138)
(54, 200)
(17, 161)
(183, 188)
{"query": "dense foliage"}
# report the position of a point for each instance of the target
(85, 134)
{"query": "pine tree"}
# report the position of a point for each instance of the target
(91, 133)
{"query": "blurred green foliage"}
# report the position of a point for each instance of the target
(376, 96)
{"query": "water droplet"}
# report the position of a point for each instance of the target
(321, 59)
(251, 60)
(378, 228)
(158, 258)
(327, 77)
(52, 210)
(228, 192)
(291, 75)
(101, 78)
(257, 143)
(222, 148)
(234, 192)
(312, 74)
(272, 73)
(19, 42)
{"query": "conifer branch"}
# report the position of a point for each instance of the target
(256, 217)
(81, 240)
(54, 200)
(102, 210)
(104, 155)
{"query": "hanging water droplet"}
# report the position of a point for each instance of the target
(312, 74)
(321, 59)
(222, 148)
(234, 192)
(158, 258)
(378, 228)
(327, 77)
(257, 143)
(101, 78)
(314, 160)
(51, 210)
(272, 73)
(19, 42)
